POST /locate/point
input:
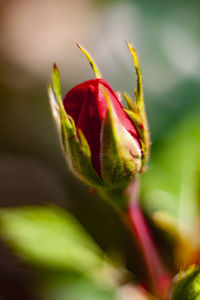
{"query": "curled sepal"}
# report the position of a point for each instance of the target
(120, 152)
(139, 102)
(186, 284)
(91, 61)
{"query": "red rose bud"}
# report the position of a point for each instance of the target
(87, 105)
(105, 144)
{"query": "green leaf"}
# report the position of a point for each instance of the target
(172, 182)
(50, 237)
(62, 287)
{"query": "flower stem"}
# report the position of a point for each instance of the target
(160, 279)
(125, 200)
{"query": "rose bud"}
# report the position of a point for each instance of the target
(105, 144)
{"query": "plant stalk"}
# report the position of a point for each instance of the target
(125, 201)
(159, 278)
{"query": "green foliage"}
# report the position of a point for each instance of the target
(72, 287)
(172, 181)
(50, 237)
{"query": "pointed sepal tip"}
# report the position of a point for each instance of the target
(91, 61)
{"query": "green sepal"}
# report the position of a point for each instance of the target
(138, 122)
(186, 285)
(56, 81)
(91, 61)
(54, 107)
(129, 102)
(139, 91)
(135, 118)
(145, 150)
(78, 155)
(139, 102)
(58, 98)
(120, 153)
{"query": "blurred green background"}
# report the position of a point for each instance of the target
(33, 35)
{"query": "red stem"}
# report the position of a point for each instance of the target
(160, 279)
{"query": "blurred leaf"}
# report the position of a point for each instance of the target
(171, 183)
(50, 237)
(75, 288)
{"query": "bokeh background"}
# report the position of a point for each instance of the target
(36, 33)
